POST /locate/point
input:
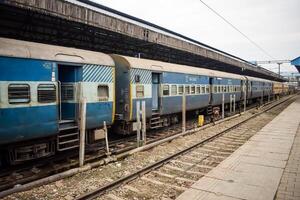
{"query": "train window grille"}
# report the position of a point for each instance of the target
(46, 93)
(67, 92)
(103, 92)
(202, 89)
(207, 89)
(166, 90)
(180, 89)
(198, 89)
(187, 89)
(174, 90)
(193, 89)
(18, 93)
(140, 91)
(215, 89)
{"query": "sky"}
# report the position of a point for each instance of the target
(273, 24)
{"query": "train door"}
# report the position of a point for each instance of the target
(242, 90)
(67, 79)
(155, 91)
(211, 90)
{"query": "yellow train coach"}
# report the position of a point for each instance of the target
(277, 88)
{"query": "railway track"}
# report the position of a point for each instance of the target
(26, 175)
(170, 176)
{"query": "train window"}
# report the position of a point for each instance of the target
(140, 91)
(46, 93)
(203, 89)
(18, 93)
(166, 90)
(193, 89)
(207, 87)
(187, 89)
(180, 89)
(198, 89)
(174, 90)
(215, 89)
(67, 92)
(103, 92)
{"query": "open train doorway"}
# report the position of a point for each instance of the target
(68, 77)
(155, 91)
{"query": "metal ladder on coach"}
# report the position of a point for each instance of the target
(209, 110)
(155, 121)
(68, 137)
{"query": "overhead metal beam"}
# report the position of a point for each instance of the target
(63, 23)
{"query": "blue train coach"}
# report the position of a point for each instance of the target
(161, 85)
(40, 90)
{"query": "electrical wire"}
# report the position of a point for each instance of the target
(234, 27)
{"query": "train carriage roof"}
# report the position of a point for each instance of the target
(258, 79)
(159, 66)
(32, 50)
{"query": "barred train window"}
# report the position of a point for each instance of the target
(67, 92)
(166, 91)
(140, 91)
(103, 92)
(193, 90)
(187, 89)
(174, 90)
(18, 93)
(202, 89)
(215, 89)
(46, 93)
(180, 89)
(198, 89)
(207, 89)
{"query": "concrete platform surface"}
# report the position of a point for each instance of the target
(254, 171)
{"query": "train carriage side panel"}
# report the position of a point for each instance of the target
(228, 86)
(24, 115)
(173, 85)
(132, 85)
(141, 90)
(98, 88)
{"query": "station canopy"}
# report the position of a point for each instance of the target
(87, 25)
(296, 63)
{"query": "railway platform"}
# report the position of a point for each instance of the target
(265, 167)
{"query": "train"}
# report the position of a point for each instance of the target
(41, 88)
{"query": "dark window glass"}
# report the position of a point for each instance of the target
(46, 93)
(18, 93)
